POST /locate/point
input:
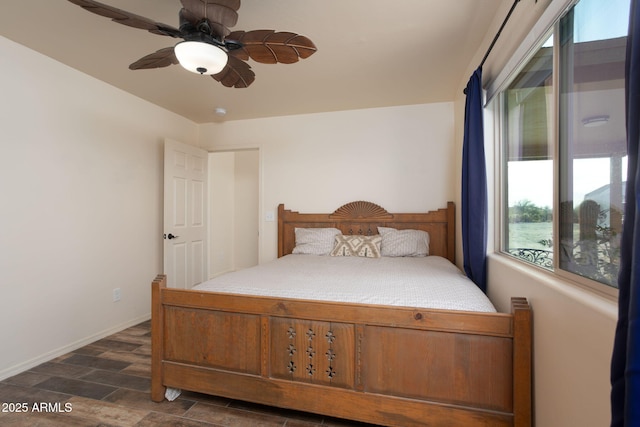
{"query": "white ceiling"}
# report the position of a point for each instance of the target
(371, 53)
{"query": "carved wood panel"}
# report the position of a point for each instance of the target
(315, 352)
(228, 341)
(439, 366)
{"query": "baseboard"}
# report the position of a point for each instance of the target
(25, 366)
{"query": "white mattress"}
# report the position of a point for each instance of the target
(426, 282)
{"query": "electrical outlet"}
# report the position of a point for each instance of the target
(117, 294)
(270, 216)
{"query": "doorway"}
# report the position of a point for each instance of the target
(234, 210)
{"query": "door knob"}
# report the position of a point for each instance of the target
(170, 236)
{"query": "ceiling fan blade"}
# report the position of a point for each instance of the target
(127, 18)
(270, 47)
(161, 58)
(221, 12)
(236, 74)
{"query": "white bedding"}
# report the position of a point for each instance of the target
(425, 282)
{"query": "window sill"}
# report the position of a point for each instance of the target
(600, 301)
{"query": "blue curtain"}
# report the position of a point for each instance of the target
(474, 185)
(625, 361)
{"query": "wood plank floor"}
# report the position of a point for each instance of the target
(107, 384)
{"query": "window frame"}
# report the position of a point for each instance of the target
(496, 104)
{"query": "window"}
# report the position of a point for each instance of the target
(564, 146)
(528, 127)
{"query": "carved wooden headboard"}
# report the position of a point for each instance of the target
(364, 218)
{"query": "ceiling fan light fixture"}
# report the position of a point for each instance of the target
(200, 57)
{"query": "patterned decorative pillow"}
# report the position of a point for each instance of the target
(363, 246)
(409, 243)
(315, 241)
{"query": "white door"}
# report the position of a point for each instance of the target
(185, 214)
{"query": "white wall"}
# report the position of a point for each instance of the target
(573, 340)
(573, 327)
(401, 158)
(221, 211)
(81, 210)
(234, 201)
(246, 206)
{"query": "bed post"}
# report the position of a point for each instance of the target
(157, 350)
(451, 232)
(522, 362)
(280, 230)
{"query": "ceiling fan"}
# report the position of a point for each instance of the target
(208, 46)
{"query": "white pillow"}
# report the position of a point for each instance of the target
(399, 243)
(315, 241)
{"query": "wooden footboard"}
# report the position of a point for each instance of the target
(385, 365)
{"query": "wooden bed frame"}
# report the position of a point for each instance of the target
(386, 365)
